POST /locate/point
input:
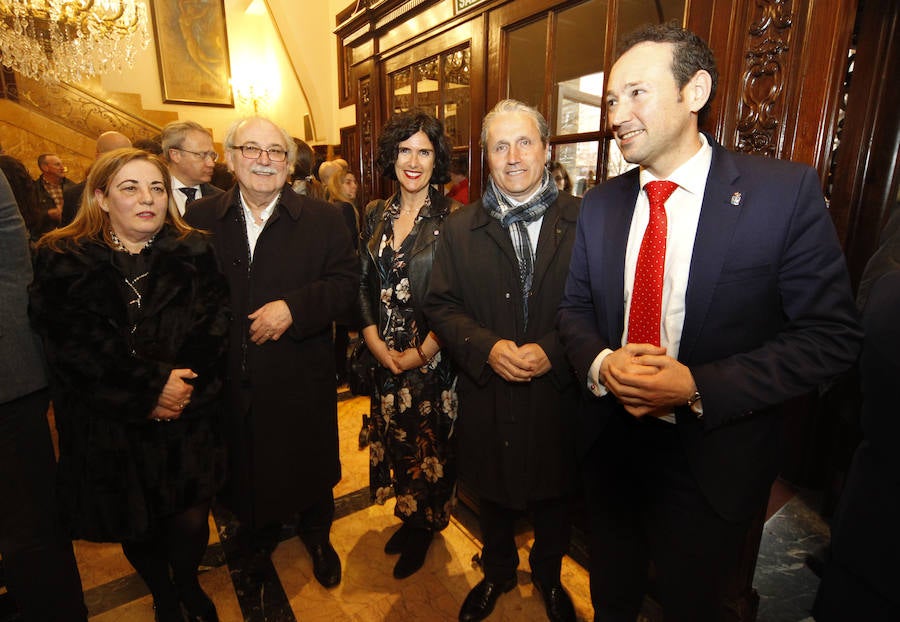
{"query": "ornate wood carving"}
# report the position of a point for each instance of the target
(761, 106)
(76, 108)
(366, 117)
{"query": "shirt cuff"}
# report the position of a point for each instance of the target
(593, 378)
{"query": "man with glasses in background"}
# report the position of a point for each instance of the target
(188, 149)
(292, 270)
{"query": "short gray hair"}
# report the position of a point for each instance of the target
(289, 143)
(514, 105)
(173, 134)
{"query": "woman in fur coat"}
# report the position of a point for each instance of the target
(133, 311)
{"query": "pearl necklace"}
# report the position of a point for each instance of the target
(119, 246)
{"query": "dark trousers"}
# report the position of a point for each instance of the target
(552, 528)
(644, 505)
(314, 524)
(38, 561)
(313, 527)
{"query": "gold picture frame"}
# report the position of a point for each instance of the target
(192, 50)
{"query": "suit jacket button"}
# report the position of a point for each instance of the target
(236, 262)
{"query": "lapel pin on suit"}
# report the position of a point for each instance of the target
(737, 198)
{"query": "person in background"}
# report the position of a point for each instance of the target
(188, 148)
(302, 179)
(107, 141)
(134, 315)
(51, 185)
(706, 289)
(292, 270)
(342, 189)
(25, 193)
(561, 177)
(858, 578)
(459, 180)
(150, 145)
(329, 168)
(413, 405)
(222, 178)
(38, 562)
(496, 284)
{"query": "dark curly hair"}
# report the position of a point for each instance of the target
(691, 54)
(403, 125)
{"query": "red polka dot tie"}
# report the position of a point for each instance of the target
(646, 295)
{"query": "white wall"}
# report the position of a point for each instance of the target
(309, 86)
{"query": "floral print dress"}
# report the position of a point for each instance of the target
(412, 413)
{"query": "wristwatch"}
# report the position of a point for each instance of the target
(694, 404)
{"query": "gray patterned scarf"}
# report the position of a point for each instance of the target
(516, 219)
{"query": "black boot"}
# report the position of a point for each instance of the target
(364, 432)
(412, 557)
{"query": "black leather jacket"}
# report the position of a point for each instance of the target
(420, 260)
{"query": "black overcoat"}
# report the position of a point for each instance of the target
(119, 470)
(515, 439)
(282, 417)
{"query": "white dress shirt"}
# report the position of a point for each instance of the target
(180, 197)
(682, 215)
(253, 229)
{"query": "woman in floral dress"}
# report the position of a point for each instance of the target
(414, 401)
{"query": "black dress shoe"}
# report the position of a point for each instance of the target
(394, 545)
(326, 564)
(167, 613)
(412, 557)
(481, 600)
(204, 613)
(556, 601)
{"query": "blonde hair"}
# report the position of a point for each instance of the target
(92, 222)
(336, 186)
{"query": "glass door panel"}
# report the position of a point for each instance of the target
(456, 91)
(401, 90)
(526, 62)
(578, 62)
(580, 162)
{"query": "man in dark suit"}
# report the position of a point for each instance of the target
(38, 562)
(292, 270)
(188, 148)
(497, 280)
(688, 342)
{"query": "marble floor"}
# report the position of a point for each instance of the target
(286, 591)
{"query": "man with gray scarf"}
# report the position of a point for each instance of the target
(497, 279)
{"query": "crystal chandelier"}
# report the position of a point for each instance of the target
(67, 40)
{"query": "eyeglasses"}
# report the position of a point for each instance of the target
(252, 152)
(212, 155)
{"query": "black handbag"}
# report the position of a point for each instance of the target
(361, 369)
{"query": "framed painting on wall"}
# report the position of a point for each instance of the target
(192, 49)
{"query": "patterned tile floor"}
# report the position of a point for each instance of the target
(286, 591)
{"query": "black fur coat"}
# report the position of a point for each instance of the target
(120, 470)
